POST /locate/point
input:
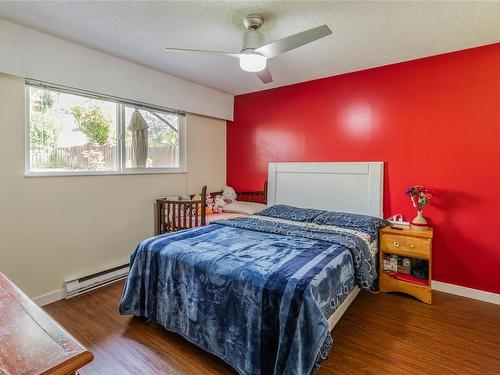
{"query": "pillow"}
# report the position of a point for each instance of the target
(281, 211)
(241, 207)
(363, 223)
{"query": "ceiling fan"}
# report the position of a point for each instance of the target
(254, 53)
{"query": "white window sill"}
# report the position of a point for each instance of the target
(141, 171)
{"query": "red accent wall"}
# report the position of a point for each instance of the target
(433, 121)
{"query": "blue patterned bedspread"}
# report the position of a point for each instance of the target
(257, 291)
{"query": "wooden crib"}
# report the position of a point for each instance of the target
(174, 215)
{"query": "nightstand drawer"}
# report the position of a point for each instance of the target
(406, 246)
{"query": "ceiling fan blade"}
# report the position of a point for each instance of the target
(265, 75)
(201, 51)
(293, 41)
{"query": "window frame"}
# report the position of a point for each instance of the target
(120, 135)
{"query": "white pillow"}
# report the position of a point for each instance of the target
(241, 207)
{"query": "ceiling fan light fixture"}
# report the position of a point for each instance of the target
(252, 62)
(254, 52)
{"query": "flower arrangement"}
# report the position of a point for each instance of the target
(419, 196)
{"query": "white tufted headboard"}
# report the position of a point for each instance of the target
(355, 187)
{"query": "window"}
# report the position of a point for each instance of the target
(75, 132)
(163, 139)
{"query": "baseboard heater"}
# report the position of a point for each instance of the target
(87, 283)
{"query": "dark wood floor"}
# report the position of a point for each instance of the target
(379, 334)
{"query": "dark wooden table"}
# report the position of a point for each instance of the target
(31, 342)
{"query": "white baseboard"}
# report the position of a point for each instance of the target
(50, 297)
(480, 295)
(466, 292)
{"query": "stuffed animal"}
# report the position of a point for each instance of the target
(219, 204)
(228, 194)
(209, 201)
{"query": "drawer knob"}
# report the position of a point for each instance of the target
(396, 244)
(412, 246)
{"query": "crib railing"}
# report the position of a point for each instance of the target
(253, 196)
(173, 215)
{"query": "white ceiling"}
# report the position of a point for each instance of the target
(365, 34)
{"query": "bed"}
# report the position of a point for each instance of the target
(263, 292)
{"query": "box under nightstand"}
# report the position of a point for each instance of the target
(406, 243)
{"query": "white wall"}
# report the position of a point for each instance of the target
(32, 54)
(56, 228)
(208, 166)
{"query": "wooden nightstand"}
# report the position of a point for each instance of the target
(407, 243)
